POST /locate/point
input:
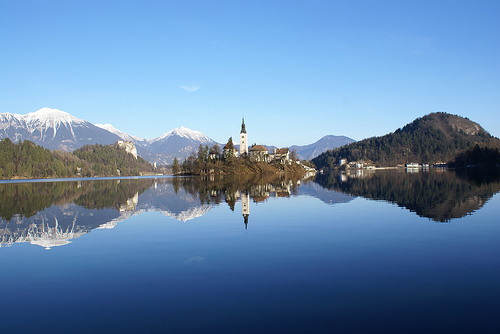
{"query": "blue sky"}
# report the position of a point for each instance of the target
(296, 70)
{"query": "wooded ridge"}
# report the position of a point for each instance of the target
(28, 160)
(437, 137)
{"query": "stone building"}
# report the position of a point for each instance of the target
(282, 155)
(259, 153)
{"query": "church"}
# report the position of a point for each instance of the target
(257, 153)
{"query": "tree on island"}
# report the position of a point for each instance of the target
(229, 149)
(230, 144)
(176, 168)
(215, 152)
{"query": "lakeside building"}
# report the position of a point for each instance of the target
(257, 153)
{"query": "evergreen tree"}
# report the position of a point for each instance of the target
(176, 169)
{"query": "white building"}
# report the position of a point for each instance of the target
(243, 140)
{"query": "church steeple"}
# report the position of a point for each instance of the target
(243, 130)
(243, 140)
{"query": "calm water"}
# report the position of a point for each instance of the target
(380, 252)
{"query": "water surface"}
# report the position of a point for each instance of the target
(378, 252)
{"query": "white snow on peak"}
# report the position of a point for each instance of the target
(122, 135)
(109, 128)
(47, 118)
(42, 120)
(51, 116)
(186, 133)
(192, 213)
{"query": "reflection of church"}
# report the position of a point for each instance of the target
(260, 193)
(245, 206)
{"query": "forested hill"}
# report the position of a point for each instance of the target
(28, 160)
(429, 139)
(107, 159)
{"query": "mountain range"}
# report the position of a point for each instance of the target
(53, 129)
(56, 129)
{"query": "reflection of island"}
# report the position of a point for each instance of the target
(438, 195)
(51, 214)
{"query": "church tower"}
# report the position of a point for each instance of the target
(243, 140)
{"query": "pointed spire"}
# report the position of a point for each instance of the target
(243, 130)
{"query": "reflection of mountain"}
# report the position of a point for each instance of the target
(440, 196)
(54, 226)
(51, 214)
(328, 196)
(162, 197)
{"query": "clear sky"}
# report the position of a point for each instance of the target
(296, 70)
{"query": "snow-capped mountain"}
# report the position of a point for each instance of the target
(184, 133)
(178, 143)
(122, 135)
(53, 129)
(56, 129)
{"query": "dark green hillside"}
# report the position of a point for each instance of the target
(106, 159)
(429, 139)
(28, 160)
(478, 157)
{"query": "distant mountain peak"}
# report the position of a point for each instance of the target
(53, 129)
(325, 143)
(186, 133)
(52, 116)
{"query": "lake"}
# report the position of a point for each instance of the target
(387, 252)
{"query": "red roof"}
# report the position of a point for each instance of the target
(281, 151)
(259, 148)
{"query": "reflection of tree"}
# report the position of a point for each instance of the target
(176, 184)
(26, 199)
(439, 196)
(225, 188)
(112, 194)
